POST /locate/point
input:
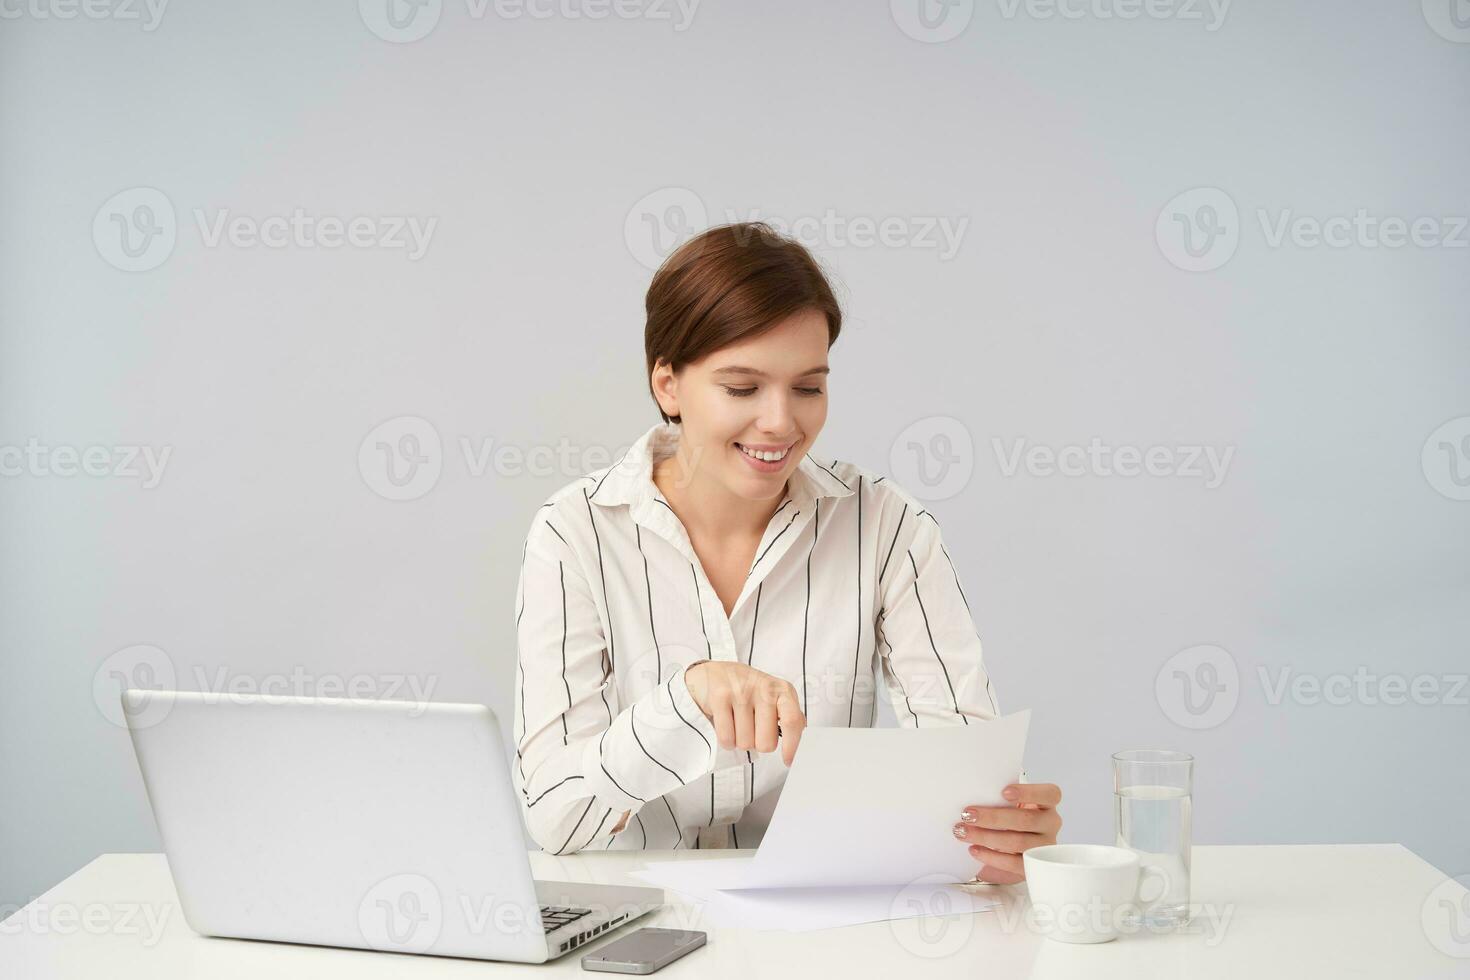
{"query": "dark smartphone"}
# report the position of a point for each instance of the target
(644, 951)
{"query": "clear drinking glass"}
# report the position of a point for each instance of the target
(1152, 807)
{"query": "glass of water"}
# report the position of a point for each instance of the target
(1152, 809)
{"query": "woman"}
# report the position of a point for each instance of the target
(685, 613)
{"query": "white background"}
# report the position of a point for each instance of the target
(1334, 544)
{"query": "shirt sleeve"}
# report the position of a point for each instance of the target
(928, 648)
(582, 758)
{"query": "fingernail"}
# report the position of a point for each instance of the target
(1010, 793)
(967, 815)
(959, 831)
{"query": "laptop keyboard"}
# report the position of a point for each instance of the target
(556, 916)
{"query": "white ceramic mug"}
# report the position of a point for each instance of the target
(1082, 893)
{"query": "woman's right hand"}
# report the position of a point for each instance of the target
(746, 706)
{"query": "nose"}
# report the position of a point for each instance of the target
(776, 417)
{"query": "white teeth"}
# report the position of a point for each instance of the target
(769, 457)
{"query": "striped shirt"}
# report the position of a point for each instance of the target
(612, 605)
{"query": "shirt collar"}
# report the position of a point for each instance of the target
(631, 479)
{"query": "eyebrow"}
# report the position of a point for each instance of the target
(752, 372)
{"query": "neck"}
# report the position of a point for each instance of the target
(706, 507)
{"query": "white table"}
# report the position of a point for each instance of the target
(1287, 911)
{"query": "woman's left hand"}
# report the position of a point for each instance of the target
(998, 835)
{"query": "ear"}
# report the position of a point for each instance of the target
(665, 386)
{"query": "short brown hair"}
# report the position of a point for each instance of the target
(728, 283)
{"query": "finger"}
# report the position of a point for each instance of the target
(744, 724)
(765, 725)
(724, 723)
(998, 860)
(1042, 794)
(1031, 821)
(793, 723)
(1005, 841)
(995, 876)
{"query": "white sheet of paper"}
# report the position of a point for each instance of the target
(805, 909)
(863, 821)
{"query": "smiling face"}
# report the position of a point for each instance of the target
(765, 396)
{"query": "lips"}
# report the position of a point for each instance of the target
(767, 454)
(762, 465)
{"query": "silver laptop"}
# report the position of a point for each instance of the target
(387, 825)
